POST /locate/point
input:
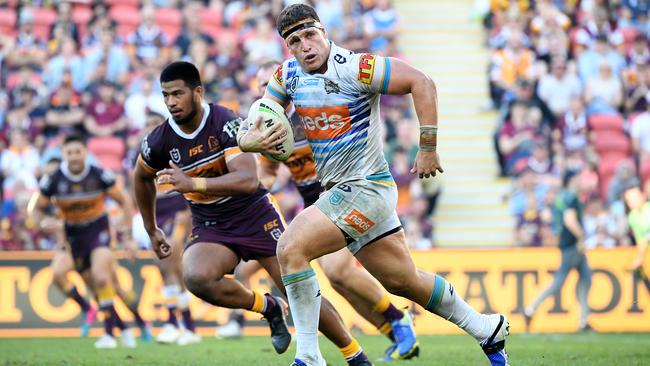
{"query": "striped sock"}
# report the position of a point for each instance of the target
(74, 295)
(304, 297)
(387, 309)
(352, 350)
(170, 297)
(105, 297)
(184, 306)
(386, 329)
(445, 302)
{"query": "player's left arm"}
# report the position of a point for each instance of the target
(401, 78)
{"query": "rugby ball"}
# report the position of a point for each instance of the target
(273, 113)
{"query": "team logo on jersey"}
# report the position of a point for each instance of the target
(340, 59)
(213, 144)
(277, 75)
(366, 68)
(76, 188)
(175, 154)
(62, 187)
(359, 222)
(293, 85)
(332, 87)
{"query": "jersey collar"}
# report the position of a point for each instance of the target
(74, 177)
(191, 136)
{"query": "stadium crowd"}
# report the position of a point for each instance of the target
(92, 67)
(571, 83)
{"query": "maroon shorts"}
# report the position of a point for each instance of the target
(251, 234)
(83, 239)
(166, 209)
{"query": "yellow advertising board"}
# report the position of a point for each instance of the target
(491, 281)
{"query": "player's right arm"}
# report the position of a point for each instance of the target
(250, 137)
(145, 196)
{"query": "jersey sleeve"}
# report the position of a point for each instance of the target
(372, 72)
(107, 178)
(228, 134)
(151, 157)
(46, 185)
(276, 86)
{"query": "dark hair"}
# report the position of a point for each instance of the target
(181, 70)
(295, 13)
(75, 137)
(267, 64)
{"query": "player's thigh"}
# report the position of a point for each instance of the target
(207, 262)
(310, 235)
(62, 263)
(101, 266)
(390, 262)
(246, 270)
(338, 266)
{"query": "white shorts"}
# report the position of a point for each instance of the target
(364, 209)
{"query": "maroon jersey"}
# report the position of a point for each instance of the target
(79, 198)
(203, 153)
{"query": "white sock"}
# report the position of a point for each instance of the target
(446, 303)
(304, 301)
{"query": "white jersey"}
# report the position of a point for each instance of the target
(339, 111)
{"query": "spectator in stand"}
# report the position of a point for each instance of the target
(98, 24)
(19, 163)
(331, 16)
(528, 232)
(638, 55)
(229, 95)
(66, 60)
(404, 140)
(27, 114)
(64, 22)
(525, 187)
(263, 44)
(558, 87)
(640, 132)
(624, 177)
(353, 37)
(191, 31)
(228, 60)
(513, 62)
(148, 45)
(517, 137)
(400, 170)
(590, 61)
(105, 114)
(139, 103)
(604, 92)
(597, 225)
(65, 114)
(571, 129)
(27, 50)
(381, 24)
(637, 86)
(108, 51)
(549, 30)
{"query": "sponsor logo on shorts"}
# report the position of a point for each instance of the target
(336, 198)
(366, 68)
(359, 222)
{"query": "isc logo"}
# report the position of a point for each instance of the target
(323, 122)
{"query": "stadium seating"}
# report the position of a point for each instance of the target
(43, 20)
(609, 122)
(7, 22)
(608, 142)
(127, 18)
(170, 21)
(211, 20)
(109, 151)
(606, 169)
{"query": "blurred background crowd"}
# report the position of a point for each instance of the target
(571, 83)
(92, 67)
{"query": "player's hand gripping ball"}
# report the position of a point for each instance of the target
(270, 132)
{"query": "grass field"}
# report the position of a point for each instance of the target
(525, 350)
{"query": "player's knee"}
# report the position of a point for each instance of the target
(196, 280)
(398, 285)
(101, 280)
(288, 251)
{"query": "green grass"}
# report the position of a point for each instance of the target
(525, 350)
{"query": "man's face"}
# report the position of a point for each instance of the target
(263, 76)
(74, 153)
(309, 46)
(182, 102)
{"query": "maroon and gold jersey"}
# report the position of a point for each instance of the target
(79, 198)
(203, 153)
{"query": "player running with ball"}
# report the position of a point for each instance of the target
(336, 94)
